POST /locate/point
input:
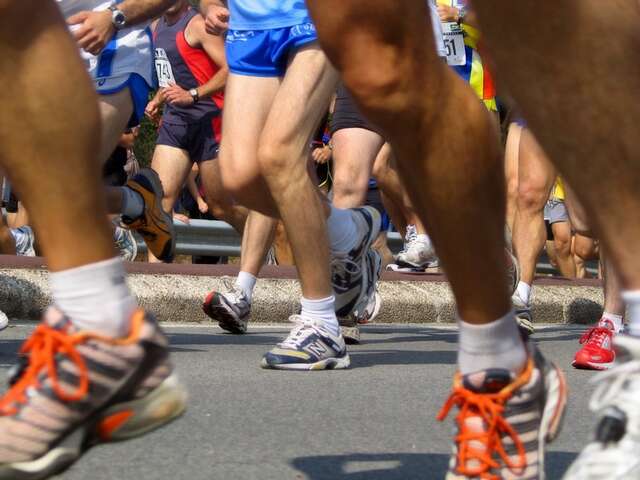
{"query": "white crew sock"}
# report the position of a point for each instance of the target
(323, 309)
(342, 230)
(132, 203)
(616, 320)
(246, 282)
(632, 300)
(494, 345)
(524, 292)
(95, 297)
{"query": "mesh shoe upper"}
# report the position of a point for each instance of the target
(65, 376)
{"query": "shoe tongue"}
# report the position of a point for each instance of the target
(487, 381)
(606, 323)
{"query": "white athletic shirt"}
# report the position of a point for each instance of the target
(437, 29)
(130, 51)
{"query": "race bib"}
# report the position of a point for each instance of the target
(163, 69)
(454, 44)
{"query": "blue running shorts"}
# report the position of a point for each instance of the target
(265, 53)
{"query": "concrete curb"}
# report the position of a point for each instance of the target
(24, 293)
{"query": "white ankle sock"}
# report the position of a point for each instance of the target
(524, 292)
(494, 345)
(632, 300)
(617, 320)
(246, 282)
(342, 230)
(132, 203)
(323, 309)
(95, 297)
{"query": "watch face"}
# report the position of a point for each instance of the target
(119, 19)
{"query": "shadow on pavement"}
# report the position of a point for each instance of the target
(370, 466)
(398, 466)
(372, 358)
(217, 338)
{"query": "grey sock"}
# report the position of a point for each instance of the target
(132, 203)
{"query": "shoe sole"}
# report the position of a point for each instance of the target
(591, 365)
(168, 253)
(326, 364)
(553, 413)
(130, 419)
(215, 310)
(375, 313)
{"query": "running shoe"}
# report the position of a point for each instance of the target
(4, 320)
(309, 346)
(25, 240)
(349, 275)
(597, 351)
(125, 243)
(350, 325)
(418, 252)
(523, 316)
(155, 225)
(230, 309)
(73, 389)
(613, 452)
(505, 421)
(513, 271)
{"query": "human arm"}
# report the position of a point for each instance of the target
(213, 46)
(93, 30)
(192, 186)
(454, 14)
(152, 110)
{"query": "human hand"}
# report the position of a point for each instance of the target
(447, 13)
(321, 155)
(216, 19)
(202, 205)
(175, 95)
(93, 30)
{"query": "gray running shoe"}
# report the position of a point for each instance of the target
(350, 325)
(309, 346)
(25, 240)
(230, 309)
(613, 452)
(505, 421)
(126, 243)
(349, 271)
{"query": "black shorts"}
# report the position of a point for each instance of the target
(346, 113)
(198, 139)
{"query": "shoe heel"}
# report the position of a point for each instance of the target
(137, 417)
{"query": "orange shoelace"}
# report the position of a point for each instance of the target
(41, 349)
(489, 407)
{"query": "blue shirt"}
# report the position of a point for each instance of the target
(267, 14)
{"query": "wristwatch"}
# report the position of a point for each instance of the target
(194, 94)
(462, 12)
(118, 18)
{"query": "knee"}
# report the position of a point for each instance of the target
(279, 160)
(531, 197)
(583, 250)
(562, 244)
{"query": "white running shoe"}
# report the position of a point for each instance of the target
(418, 252)
(309, 346)
(613, 452)
(4, 320)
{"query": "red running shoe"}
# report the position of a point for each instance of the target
(597, 348)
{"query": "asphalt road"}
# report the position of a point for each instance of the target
(374, 421)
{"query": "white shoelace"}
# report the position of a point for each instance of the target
(302, 329)
(341, 265)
